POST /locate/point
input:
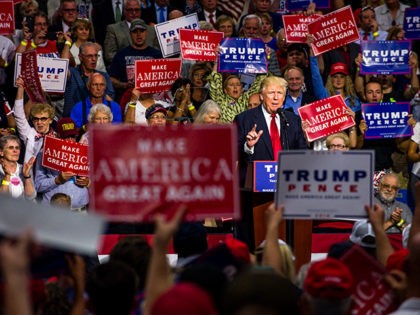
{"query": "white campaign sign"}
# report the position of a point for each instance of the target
(168, 33)
(325, 184)
(52, 72)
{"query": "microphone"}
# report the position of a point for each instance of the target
(283, 117)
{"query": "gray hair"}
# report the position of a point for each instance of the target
(250, 17)
(206, 108)
(100, 108)
(85, 45)
(5, 139)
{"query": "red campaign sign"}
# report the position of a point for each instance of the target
(199, 45)
(7, 18)
(157, 75)
(65, 156)
(155, 170)
(371, 293)
(296, 26)
(29, 73)
(333, 30)
(326, 117)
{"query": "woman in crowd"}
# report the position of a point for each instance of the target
(198, 76)
(266, 33)
(338, 142)
(98, 114)
(209, 113)
(15, 178)
(183, 109)
(82, 32)
(226, 25)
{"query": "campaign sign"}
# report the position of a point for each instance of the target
(385, 57)
(371, 294)
(29, 75)
(265, 176)
(298, 5)
(157, 75)
(155, 170)
(325, 184)
(412, 23)
(333, 30)
(199, 45)
(7, 20)
(243, 55)
(326, 117)
(52, 72)
(386, 120)
(296, 26)
(65, 156)
(168, 33)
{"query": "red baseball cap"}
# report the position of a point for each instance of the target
(339, 67)
(329, 279)
(239, 249)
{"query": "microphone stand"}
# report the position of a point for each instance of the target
(284, 126)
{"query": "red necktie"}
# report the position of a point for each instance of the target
(275, 136)
(365, 36)
(211, 15)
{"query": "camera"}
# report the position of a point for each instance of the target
(30, 23)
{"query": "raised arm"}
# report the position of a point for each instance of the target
(271, 254)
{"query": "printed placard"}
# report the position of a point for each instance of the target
(386, 120)
(326, 117)
(158, 75)
(29, 75)
(7, 18)
(296, 27)
(325, 184)
(333, 30)
(372, 295)
(199, 45)
(65, 156)
(242, 55)
(385, 57)
(52, 72)
(168, 33)
(298, 5)
(155, 170)
(412, 23)
(265, 176)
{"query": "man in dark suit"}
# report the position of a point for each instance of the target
(261, 139)
(210, 12)
(157, 12)
(63, 18)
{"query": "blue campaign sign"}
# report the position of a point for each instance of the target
(386, 120)
(242, 55)
(412, 23)
(265, 176)
(297, 5)
(385, 57)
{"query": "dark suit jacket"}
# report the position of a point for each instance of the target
(263, 149)
(202, 17)
(149, 14)
(102, 16)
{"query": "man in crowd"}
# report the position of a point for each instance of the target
(96, 86)
(118, 34)
(76, 89)
(67, 14)
(121, 70)
(397, 214)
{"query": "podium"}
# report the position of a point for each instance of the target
(297, 233)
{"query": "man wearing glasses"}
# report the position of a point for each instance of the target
(76, 88)
(67, 13)
(397, 214)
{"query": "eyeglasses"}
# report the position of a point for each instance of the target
(158, 117)
(70, 10)
(13, 147)
(41, 119)
(199, 76)
(90, 56)
(133, 10)
(337, 146)
(388, 186)
(41, 24)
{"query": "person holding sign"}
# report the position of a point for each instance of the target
(48, 181)
(265, 130)
(15, 179)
